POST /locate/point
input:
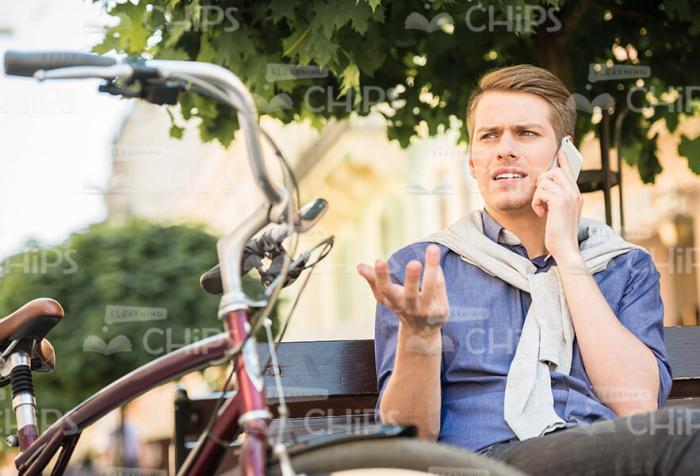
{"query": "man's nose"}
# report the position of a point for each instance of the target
(507, 148)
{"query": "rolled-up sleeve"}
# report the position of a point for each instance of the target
(386, 326)
(641, 310)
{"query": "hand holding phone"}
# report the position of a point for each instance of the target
(572, 154)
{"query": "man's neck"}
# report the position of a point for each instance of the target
(526, 225)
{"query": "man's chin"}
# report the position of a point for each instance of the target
(510, 204)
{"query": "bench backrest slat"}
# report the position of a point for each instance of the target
(338, 378)
(346, 368)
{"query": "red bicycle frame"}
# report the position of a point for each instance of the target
(246, 410)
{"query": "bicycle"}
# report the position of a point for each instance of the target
(24, 348)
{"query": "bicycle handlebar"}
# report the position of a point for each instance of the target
(26, 64)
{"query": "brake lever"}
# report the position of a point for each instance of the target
(296, 266)
(115, 90)
(155, 91)
(270, 277)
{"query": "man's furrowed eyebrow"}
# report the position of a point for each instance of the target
(518, 127)
(489, 128)
(531, 125)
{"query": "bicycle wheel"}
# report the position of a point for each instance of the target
(395, 453)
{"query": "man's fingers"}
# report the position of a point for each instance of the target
(413, 270)
(539, 203)
(561, 178)
(389, 290)
(367, 272)
(552, 186)
(432, 267)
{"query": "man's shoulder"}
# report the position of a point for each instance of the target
(637, 264)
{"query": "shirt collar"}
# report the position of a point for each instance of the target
(497, 233)
(492, 229)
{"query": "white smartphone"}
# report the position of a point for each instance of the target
(572, 153)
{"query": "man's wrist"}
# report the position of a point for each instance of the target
(427, 341)
(571, 262)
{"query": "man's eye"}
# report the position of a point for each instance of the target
(488, 135)
(528, 133)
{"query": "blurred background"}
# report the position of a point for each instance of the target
(113, 206)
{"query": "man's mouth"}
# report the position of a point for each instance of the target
(508, 174)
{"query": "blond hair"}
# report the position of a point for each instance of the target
(526, 78)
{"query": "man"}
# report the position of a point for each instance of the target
(447, 331)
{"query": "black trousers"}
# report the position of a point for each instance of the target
(662, 442)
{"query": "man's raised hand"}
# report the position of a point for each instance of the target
(421, 307)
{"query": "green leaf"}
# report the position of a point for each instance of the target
(350, 80)
(233, 48)
(283, 9)
(291, 45)
(175, 130)
(373, 4)
(133, 34)
(345, 12)
(174, 33)
(207, 52)
(690, 149)
(648, 165)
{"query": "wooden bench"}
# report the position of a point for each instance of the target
(331, 385)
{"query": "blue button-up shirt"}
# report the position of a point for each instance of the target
(480, 338)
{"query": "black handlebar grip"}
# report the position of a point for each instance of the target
(211, 281)
(26, 63)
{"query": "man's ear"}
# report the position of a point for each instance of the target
(471, 163)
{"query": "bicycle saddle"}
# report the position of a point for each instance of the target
(33, 321)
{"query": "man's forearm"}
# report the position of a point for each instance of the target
(412, 395)
(623, 371)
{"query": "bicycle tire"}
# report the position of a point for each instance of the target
(394, 453)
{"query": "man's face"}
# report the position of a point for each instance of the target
(513, 142)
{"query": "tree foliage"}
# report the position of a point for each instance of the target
(130, 294)
(423, 58)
